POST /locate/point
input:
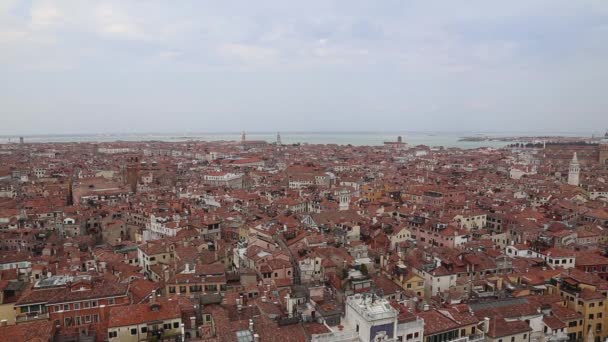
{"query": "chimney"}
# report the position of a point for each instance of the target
(251, 325)
(256, 338)
(193, 322)
(486, 325)
(152, 297)
(3, 323)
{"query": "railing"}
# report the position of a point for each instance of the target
(470, 338)
(75, 337)
(31, 317)
(403, 327)
(163, 335)
(341, 336)
(476, 338)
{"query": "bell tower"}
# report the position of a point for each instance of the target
(574, 171)
(604, 151)
(132, 173)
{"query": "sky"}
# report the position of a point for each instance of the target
(130, 66)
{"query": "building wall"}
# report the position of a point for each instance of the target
(523, 337)
(7, 312)
(354, 321)
(411, 331)
(101, 309)
(187, 289)
(124, 334)
(590, 310)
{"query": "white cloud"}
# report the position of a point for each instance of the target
(45, 15)
(114, 22)
(169, 55)
(505, 55)
(249, 54)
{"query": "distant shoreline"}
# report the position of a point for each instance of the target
(530, 139)
(464, 140)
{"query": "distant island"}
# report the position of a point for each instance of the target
(531, 139)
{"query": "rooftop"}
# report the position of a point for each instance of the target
(371, 307)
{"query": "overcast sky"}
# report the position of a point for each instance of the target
(77, 66)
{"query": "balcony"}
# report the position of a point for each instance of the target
(32, 316)
(470, 338)
(163, 335)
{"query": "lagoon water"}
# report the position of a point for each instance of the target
(450, 139)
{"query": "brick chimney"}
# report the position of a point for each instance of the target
(153, 297)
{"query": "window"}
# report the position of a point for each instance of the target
(526, 336)
(512, 338)
(76, 306)
(66, 307)
(144, 330)
(95, 318)
(111, 301)
(171, 289)
(182, 289)
(416, 334)
(175, 324)
(590, 316)
(133, 331)
(167, 326)
(409, 336)
(87, 319)
(112, 334)
(78, 322)
(87, 305)
(56, 309)
(94, 303)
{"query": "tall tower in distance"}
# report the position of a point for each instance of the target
(279, 139)
(132, 176)
(243, 137)
(604, 150)
(574, 171)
